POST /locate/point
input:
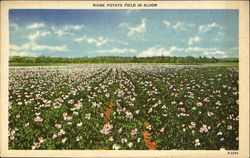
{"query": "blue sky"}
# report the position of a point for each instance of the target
(142, 33)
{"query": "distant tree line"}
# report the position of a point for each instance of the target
(116, 59)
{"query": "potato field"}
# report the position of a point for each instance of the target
(123, 107)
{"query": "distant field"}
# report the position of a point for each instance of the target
(62, 64)
(37, 64)
(220, 64)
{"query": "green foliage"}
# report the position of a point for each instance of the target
(169, 99)
(116, 59)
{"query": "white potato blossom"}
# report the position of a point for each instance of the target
(197, 142)
(116, 147)
(64, 140)
(130, 144)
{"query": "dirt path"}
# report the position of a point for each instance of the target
(146, 134)
(108, 111)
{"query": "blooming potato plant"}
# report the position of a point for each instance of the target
(123, 107)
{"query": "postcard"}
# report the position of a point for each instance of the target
(124, 79)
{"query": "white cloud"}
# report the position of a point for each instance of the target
(66, 30)
(122, 43)
(37, 34)
(18, 48)
(79, 39)
(97, 42)
(198, 49)
(138, 29)
(209, 52)
(34, 47)
(217, 52)
(60, 33)
(167, 23)
(206, 28)
(46, 47)
(123, 24)
(158, 51)
(178, 25)
(232, 53)
(220, 36)
(193, 49)
(192, 40)
(35, 25)
(118, 50)
(23, 53)
(14, 25)
(174, 48)
(73, 27)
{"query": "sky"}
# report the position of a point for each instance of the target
(141, 33)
